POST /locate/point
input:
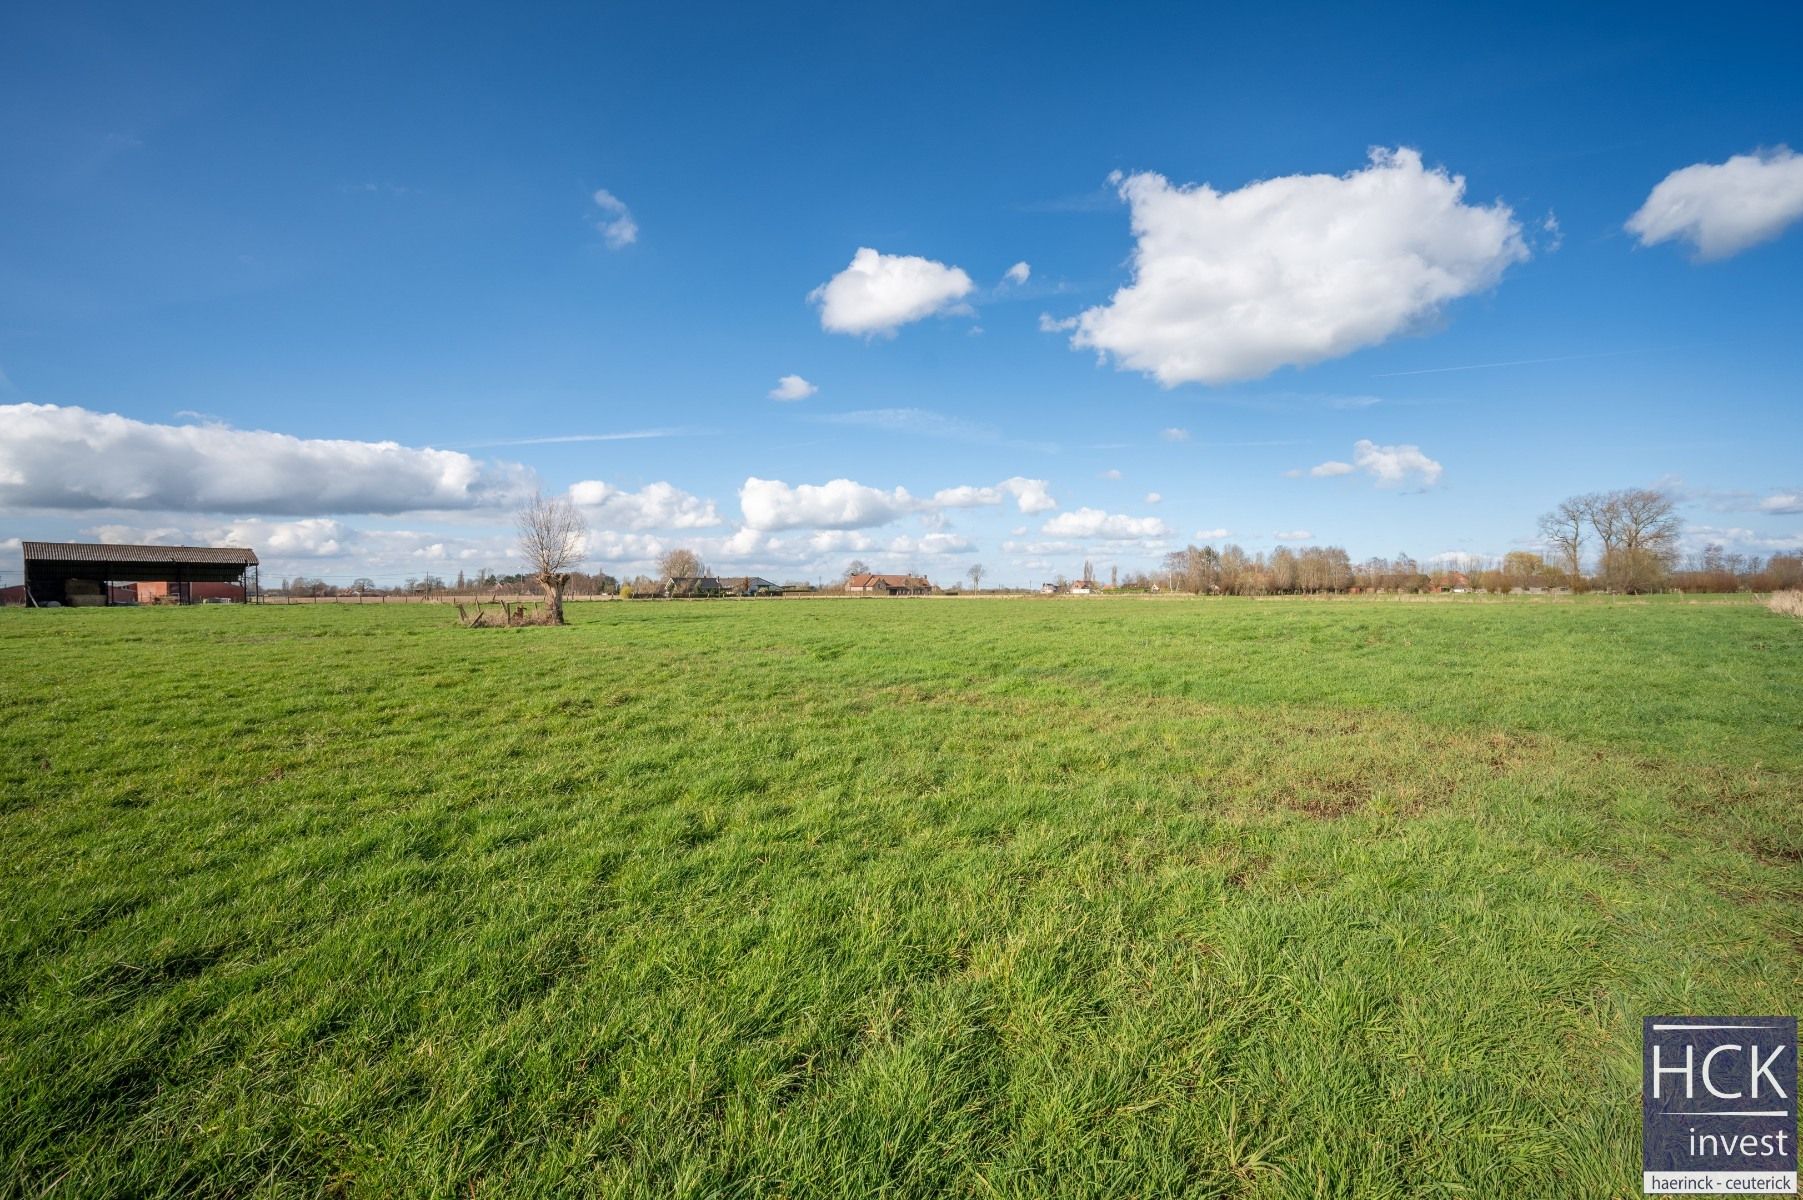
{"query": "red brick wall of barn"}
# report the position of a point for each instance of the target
(149, 592)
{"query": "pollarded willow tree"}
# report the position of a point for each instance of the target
(553, 536)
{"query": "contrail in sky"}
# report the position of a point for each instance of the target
(590, 437)
(1519, 362)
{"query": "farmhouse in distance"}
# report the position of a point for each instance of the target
(867, 584)
(713, 585)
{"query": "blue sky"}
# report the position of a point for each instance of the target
(353, 228)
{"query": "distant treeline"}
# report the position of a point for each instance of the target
(1621, 541)
(479, 583)
(1234, 571)
(1231, 570)
(1714, 569)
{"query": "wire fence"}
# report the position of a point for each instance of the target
(446, 597)
(364, 588)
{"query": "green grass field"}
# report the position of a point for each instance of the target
(806, 898)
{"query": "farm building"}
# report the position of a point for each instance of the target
(694, 585)
(888, 585)
(709, 585)
(161, 591)
(750, 585)
(82, 574)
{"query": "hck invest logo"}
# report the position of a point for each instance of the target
(1718, 1105)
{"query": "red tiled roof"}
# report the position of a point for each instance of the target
(894, 581)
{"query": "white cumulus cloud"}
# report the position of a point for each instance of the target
(1394, 465)
(792, 387)
(1723, 208)
(1095, 523)
(1291, 271)
(73, 458)
(654, 506)
(1173, 434)
(834, 541)
(1041, 548)
(1030, 495)
(616, 224)
(843, 504)
(1293, 535)
(1700, 535)
(319, 545)
(611, 546)
(879, 293)
(746, 542)
(1154, 498)
(1786, 503)
(1390, 466)
(1020, 272)
(310, 537)
(931, 544)
(771, 504)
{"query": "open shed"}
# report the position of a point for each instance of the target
(84, 573)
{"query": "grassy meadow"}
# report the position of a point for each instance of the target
(970, 897)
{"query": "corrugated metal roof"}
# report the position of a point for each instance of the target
(94, 552)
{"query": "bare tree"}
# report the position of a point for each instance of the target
(1563, 529)
(976, 577)
(1648, 521)
(1283, 569)
(1175, 566)
(856, 566)
(1523, 568)
(1636, 529)
(553, 536)
(680, 563)
(1647, 527)
(1605, 521)
(1235, 566)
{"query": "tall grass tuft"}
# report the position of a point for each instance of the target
(1790, 603)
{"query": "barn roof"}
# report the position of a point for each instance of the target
(95, 553)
